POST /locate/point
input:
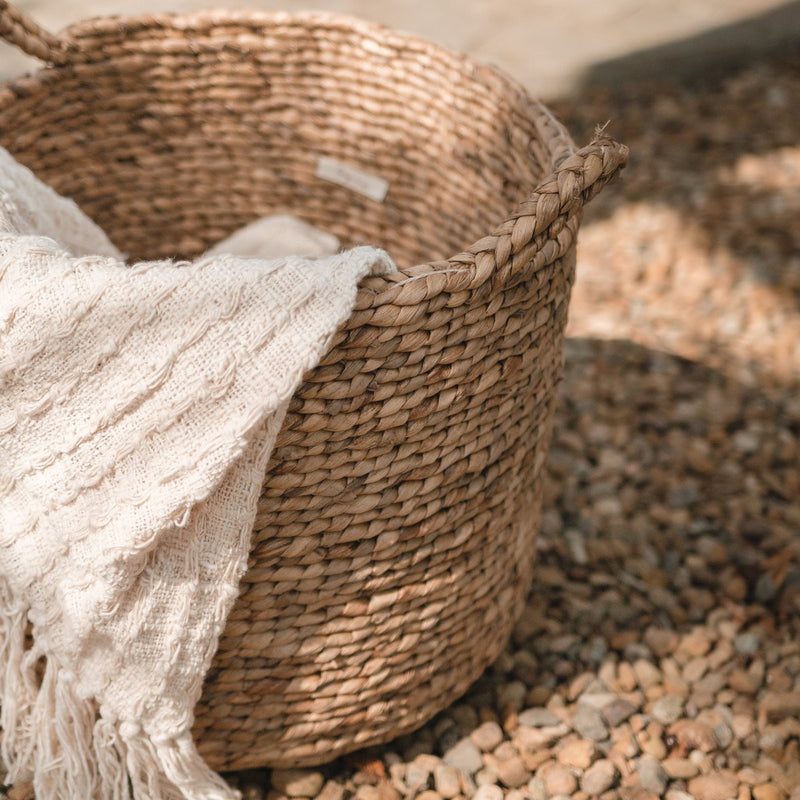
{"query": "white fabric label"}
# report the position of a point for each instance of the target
(329, 169)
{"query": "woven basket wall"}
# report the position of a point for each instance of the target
(394, 541)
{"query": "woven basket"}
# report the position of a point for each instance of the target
(394, 540)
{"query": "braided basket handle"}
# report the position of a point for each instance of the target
(19, 29)
(577, 178)
(534, 230)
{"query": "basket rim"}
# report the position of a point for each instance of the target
(549, 213)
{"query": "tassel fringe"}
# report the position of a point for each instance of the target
(54, 737)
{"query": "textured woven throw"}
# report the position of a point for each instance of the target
(138, 408)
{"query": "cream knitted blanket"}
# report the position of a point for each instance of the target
(138, 408)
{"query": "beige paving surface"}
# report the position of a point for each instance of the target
(550, 45)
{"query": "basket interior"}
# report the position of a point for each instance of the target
(173, 134)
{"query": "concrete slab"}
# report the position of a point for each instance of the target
(550, 45)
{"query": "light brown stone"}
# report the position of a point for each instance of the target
(767, 791)
(680, 768)
(560, 780)
(719, 786)
(297, 782)
(579, 753)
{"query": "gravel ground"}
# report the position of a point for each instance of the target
(659, 652)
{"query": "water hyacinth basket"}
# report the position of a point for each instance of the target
(394, 541)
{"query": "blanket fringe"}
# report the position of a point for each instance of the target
(19, 687)
(172, 770)
(54, 737)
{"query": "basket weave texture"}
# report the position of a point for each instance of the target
(395, 535)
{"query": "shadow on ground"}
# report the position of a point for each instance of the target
(711, 54)
(697, 249)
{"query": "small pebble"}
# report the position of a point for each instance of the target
(742, 725)
(368, 792)
(695, 644)
(538, 718)
(559, 779)
(504, 751)
(512, 772)
(667, 709)
(464, 756)
(771, 741)
(589, 723)
(655, 748)
(647, 674)
(626, 677)
(488, 792)
(724, 735)
(417, 776)
(745, 681)
(652, 776)
(297, 782)
(487, 736)
(617, 711)
(534, 739)
(427, 761)
(747, 644)
(579, 685)
(332, 790)
(597, 699)
(387, 790)
(719, 786)
(485, 776)
(695, 669)
(512, 694)
(599, 778)
(446, 781)
(537, 788)
(768, 791)
(579, 753)
(661, 641)
(766, 588)
(680, 768)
